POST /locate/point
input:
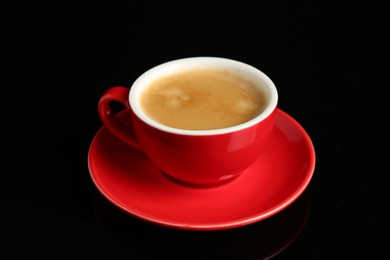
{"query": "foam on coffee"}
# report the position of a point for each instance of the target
(202, 99)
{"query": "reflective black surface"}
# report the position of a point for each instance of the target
(140, 240)
(327, 62)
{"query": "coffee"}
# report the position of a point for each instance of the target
(202, 99)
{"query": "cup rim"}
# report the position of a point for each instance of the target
(206, 62)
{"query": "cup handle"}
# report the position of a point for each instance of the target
(111, 122)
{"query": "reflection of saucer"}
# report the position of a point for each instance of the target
(128, 179)
(140, 240)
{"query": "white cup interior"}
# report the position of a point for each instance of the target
(247, 71)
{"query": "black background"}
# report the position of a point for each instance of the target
(327, 61)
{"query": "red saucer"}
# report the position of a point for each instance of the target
(127, 178)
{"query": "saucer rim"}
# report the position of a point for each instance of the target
(225, 224)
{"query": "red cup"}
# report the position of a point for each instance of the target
(196, 157)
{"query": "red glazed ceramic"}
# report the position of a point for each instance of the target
(197, 157)
(128, 179)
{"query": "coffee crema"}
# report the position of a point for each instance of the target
(202, 99)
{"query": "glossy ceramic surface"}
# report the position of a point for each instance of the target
(131, 182)
(203, 157)
(200, 157)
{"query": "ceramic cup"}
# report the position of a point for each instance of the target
(196, 157)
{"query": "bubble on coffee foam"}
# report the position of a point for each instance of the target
(175, 97)
(244, 106)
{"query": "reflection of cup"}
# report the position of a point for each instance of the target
(262, 240)
(193, 152)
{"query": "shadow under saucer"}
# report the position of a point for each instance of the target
(138, 239)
